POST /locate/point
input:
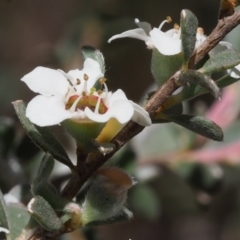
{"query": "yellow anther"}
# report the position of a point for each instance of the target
(78, 81)
(99, 92)
(102, 80)
(200, 31)
(176, 26)
(169, 19)
(85, 76)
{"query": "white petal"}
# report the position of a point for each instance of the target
(137, 33)
(118, 95)
(4, 230)
(92, 69)
(47, 111)
(46, 81)
(164, 43)
(234, 72)
(122, 110)
(140, 116)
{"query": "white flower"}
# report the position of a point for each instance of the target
(167, 43)
(72, 96)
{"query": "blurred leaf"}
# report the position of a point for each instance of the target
(164, 66)
(42, 137)
(3, 213)
(191, 76)
(18, 219)
(145, 201)
(221, 61)
(200, 125)
(7, 135)
(42, 212)
(189, 24)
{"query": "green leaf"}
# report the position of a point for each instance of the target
(145, 201)
(189, 24)
(191, 76)
(45, 168)
(18, 219)
(3, 213)
(42, 136)
(95, 54)
(199, 125)
(195, 90)
(123, 216)
(7, 135)
(164, 66)
(44, 214)
(221, 61)
(42, 187)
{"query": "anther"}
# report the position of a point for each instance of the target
(168, 19)
(99, 92)
(84, 93)
(78, 81)
(102, 80)
(200, 31)
(176, 26)
(85, 76)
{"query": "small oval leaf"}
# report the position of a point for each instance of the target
(189, 24)
(221, 61)
(42, 136)
(199, 125)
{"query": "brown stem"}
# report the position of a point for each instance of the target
(223, 27)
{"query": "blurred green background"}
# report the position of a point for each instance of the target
(185, 190)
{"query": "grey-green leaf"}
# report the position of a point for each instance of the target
(196, 90)
(191, 76)
(221, 61)
(18, 219)
(189, 24)
(164, 66)
(42, 136)
(3, 213)
(123, 216)
(199, 125)
(44, 214)
(95, 54)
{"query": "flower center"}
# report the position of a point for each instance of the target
(95, 100)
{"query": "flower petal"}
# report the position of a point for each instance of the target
(140, 116)
(165, 44)
(47, 111)
(137, 33)
(122, 110)
(46, 81)
(92, 69)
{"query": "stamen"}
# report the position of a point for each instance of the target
(73, 107)
(97, 105)
(176, 26)
(200, 31)
(78, 81)
(85, 76)
(84, 94)
(168, 20)
(99, 92)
